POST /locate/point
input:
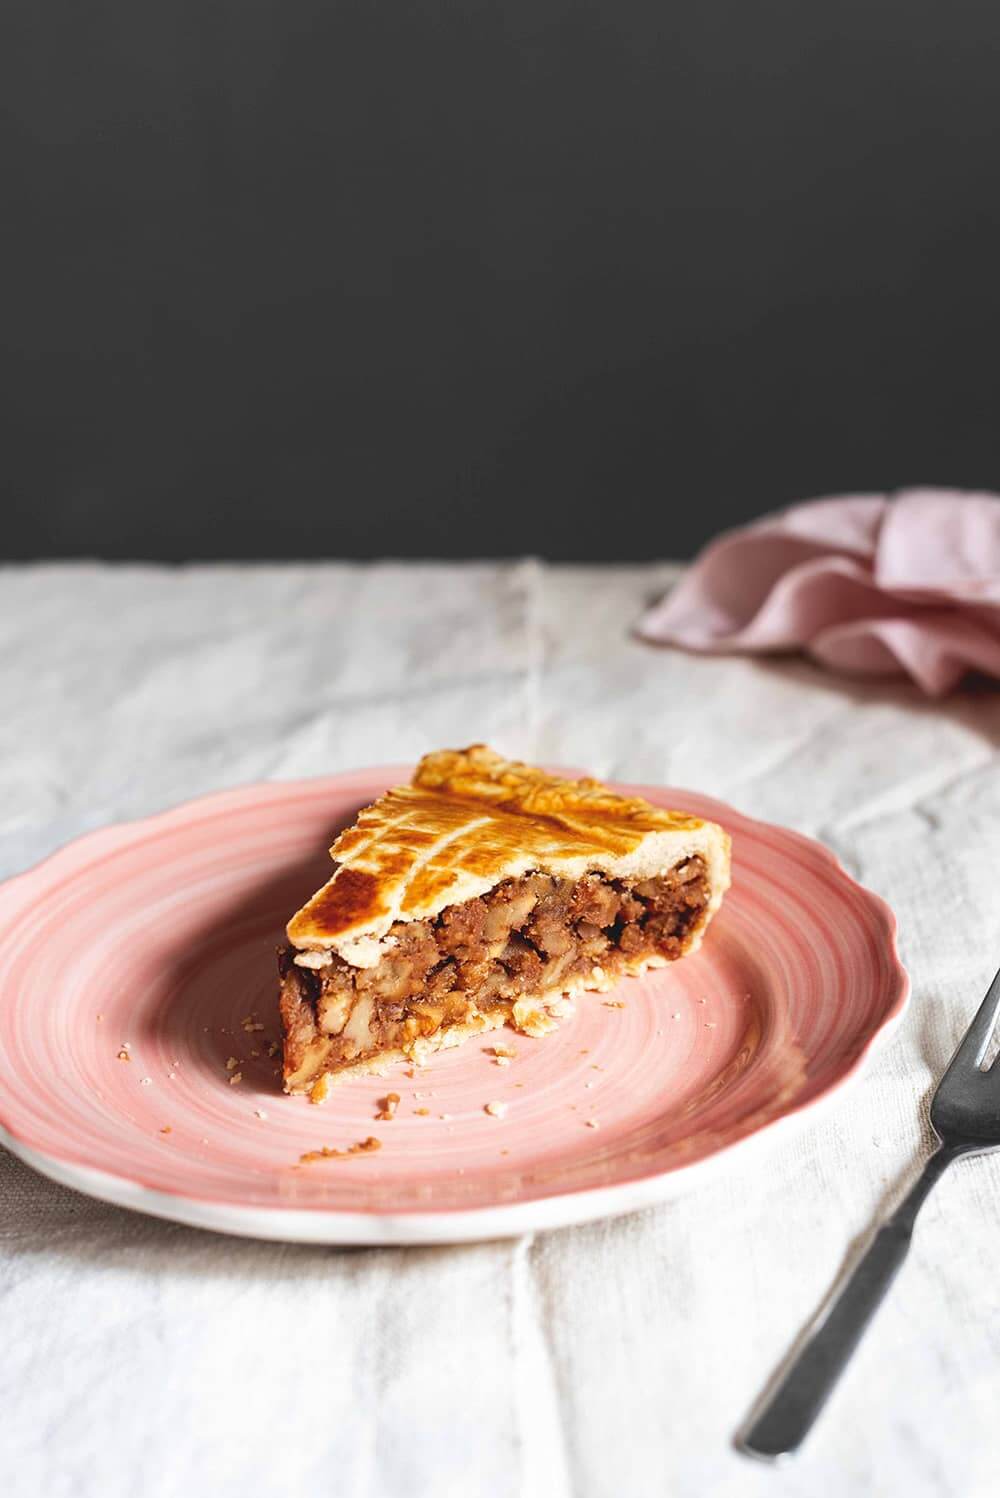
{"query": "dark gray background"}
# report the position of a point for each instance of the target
(285, 277)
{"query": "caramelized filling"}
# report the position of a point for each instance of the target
(537, 935)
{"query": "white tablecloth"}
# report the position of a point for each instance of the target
(140, 1357)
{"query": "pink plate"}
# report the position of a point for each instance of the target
(155, 941)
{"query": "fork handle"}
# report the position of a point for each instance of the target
(808, 1381)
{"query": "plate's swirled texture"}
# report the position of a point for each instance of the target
(137, 982)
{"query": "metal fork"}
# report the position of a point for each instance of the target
(965, 1116)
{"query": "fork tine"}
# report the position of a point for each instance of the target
(972, 1047)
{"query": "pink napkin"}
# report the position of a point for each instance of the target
(866, 583)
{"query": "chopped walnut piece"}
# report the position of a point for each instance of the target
(232, 1064)
(388, 1106)
(237, 1076)
(362, 1147)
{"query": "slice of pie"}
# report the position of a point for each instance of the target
(484, 893)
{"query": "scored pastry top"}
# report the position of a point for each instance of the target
(470, 819)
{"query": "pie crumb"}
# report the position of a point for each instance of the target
(320, 1089)
(613, 1003)
(166, 1129)
(145, 1081)
(362, 1147)
(592, 1123)
(232, 1064)
(259, 1113)
(495, 1110)
(123, 1055)
(237, 1076)
(387, 1106)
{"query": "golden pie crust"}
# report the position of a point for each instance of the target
(471, 819)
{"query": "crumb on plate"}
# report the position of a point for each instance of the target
(362, 1147)
(320, 1089)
